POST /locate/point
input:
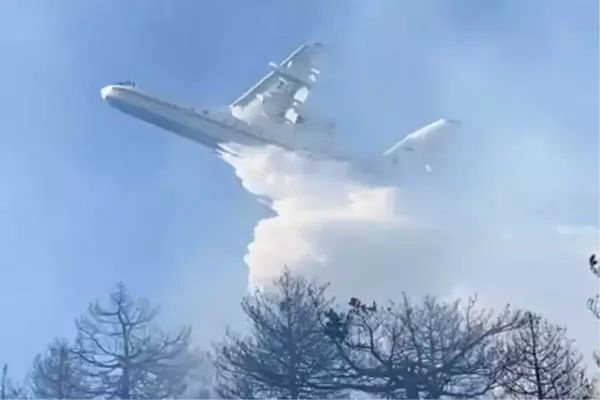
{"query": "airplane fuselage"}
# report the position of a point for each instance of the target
(208, 127)
(272, 112)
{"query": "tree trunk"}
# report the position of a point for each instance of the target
(536, 366)
(412, 392)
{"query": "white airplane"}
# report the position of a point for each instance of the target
(272, 112)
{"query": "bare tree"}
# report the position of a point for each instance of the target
(591, 388)
(410, 351)
(9, 389)
(594, 302)
(594, 307)
(126, 356)
(58, 374)
(239, 387)
(544, 364)
(286, 355)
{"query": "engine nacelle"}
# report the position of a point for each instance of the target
(271, 103)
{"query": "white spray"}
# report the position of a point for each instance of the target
(324, 220)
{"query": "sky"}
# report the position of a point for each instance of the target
(91, 196)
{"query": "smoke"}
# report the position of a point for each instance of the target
(314, 202)
(375, 241)
(336, 224)
(506, 212)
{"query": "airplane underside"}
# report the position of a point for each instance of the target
(189, 124)
(255, 118)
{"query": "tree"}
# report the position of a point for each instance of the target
(544, 364)
(593, 302)
(58, 374)
(126, 356)
(430, 350)
(9, 389)
(591, 388)
(286, 355)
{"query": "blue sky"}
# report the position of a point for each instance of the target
(90, 196)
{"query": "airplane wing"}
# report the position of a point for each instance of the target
(281, 93)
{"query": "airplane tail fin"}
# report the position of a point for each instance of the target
(417, 141)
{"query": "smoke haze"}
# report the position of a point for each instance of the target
(506, 213)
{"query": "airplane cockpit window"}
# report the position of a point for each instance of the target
(126, 83)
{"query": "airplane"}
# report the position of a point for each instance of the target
(272, 112)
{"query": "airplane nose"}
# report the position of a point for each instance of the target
(106, 91)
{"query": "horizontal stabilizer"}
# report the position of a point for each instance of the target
(418, 139)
